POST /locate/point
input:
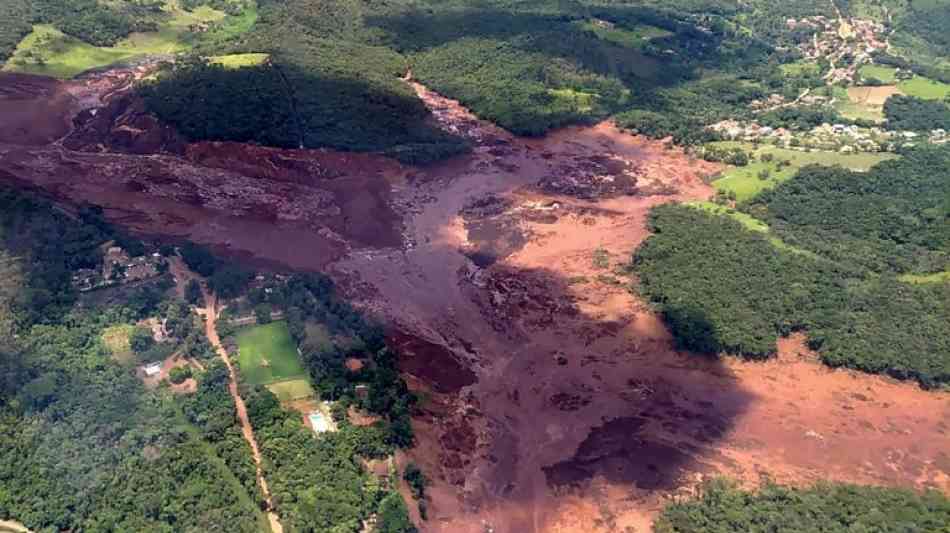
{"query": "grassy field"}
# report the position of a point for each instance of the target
(116, 339)
(746, 183)
(240, 60)
(800, 67)
(267, 354)
(925, 88)
(290, 390)
(883, 73)
(630, 38)
(47, 51)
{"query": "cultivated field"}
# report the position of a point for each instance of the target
(267, 354)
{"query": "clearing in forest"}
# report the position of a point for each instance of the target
(267, 354)
(116, 339)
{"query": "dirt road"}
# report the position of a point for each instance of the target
(211, 317)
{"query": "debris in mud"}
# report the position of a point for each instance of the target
(123, 126)
(517, 302)
(592, 177)
(493, 230)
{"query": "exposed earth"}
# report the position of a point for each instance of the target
(554, 399)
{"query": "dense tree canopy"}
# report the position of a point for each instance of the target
(839, 241)
(909, 113)
(722, 508)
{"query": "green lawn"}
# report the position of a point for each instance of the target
(745, 181)
(883, 73)
(925, 88)
(267, 354)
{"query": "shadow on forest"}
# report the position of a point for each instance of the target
(560, 36)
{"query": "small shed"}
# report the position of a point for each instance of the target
(153, 369)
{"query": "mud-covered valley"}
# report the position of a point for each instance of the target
(554, 399)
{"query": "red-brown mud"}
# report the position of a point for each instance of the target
(95, 144)
(553, 399)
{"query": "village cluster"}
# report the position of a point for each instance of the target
(829, 137)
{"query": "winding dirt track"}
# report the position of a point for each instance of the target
(555, 400)
(210, 313)
(211, 318)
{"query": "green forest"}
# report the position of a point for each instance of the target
(83, 445)
(527, 66)
(830, 508)
(831, 265)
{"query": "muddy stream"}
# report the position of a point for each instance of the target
(553, 399)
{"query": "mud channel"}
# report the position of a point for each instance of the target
(553, 398)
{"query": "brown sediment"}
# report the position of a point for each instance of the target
(553, 398)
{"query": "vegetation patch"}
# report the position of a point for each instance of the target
(724, 288)
(58, 48)
(882, 73)
(834, 508)
(927, 89)
(117, 340)
(15, 23)
(294, 389)
(239, 60)
(767, 167)
(268, 354)
(917, 114)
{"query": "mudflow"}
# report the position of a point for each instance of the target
(554, 400)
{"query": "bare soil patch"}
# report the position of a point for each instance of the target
(875, 96)
(35, 109)
(188, 386)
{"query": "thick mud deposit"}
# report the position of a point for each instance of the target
(553, 399)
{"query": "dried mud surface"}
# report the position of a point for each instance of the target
(553, 399)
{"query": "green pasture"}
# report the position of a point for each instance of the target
(881, 72)
(925, 88)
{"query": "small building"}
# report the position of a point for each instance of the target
(362, 391)
(153, 369)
